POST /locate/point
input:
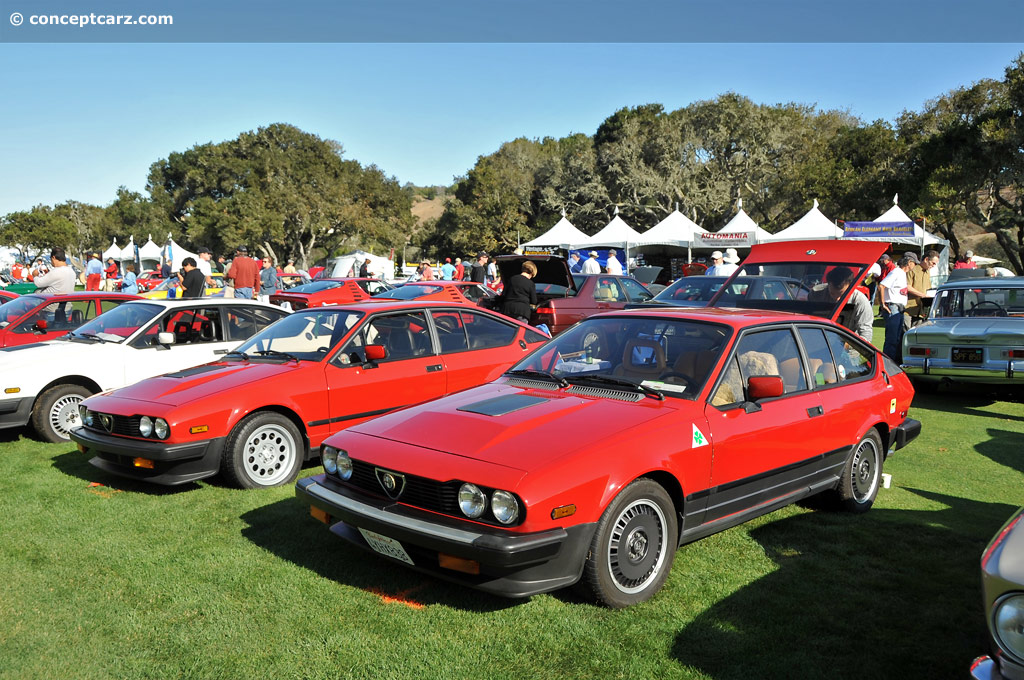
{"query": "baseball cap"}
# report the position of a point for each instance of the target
(241, 249)
(969, 254)
(717, 255)
(912, 256)
(204, 250)
(482, 253)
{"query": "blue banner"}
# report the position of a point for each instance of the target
(882, 230)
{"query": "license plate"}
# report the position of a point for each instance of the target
(967, 355)
(386, 546)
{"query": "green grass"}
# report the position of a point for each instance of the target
(128, 581)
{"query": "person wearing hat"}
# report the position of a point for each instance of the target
(93, 272)
(717, 264)
(245, 274)
(479, 271)
(110, 273)
(591, 266)
(460, 270)
(724, 265)
(204, 265)
(612, 264)
(447, 269)
(426, 273)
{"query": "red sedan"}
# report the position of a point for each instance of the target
(324, 292)
(446, 291)
(635, 432)
(37, 317)
(266, 407)
(148, 280)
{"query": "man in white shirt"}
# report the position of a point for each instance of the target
(60, 278)
(205, 266)
(718, 266)
(591, 266)
(894, 301)
(613, 266)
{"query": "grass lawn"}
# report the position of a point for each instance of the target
(127, 581)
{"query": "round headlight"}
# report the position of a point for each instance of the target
(472, 501)
(505, 507)
(344, 464)
(145, 426)
(1009, 625)
(87, 417)
(160, 428)
(329, 457)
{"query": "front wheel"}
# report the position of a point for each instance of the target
(263, 450)
(633, 547)
(56, 412)
(862, 474)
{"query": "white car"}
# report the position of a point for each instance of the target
(43, 383)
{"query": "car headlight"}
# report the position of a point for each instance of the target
(88, 417)
(160, 428)
(344, 465)
(145, 426)
(1009, 625)
(472, 501)
(329, 457)
(505, 507)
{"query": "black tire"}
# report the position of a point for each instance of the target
(862, 474)
(642, 518)
(56, 412)
(263, 450)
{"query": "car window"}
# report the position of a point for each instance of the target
(485, 331)
(823, 368)
(308, 335)
(762, 353)
(474, 293)
(987, 301)
(450, 331)
(373, 287)
(11, 310)
(851, 360)
(607, 289)
(60, 316)
(107, 305)
(403, 336)
(635, 291)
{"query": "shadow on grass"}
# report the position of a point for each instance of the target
(906, 581)
(12, 434)
(1003, 447)
(76, 464)
(968, 399)
(286, 529)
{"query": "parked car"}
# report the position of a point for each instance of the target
(449, 291)
(148, 280)
(697, 291)
(6, 295)
(1002, 585)
(264, 408)
(44, 383)
(974, 332)
(44, 316)
(603, 451)
(170, 288)
(322, 292)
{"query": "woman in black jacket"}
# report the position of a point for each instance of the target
(521, 294)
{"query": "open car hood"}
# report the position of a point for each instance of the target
(808, 262)
(551, 269)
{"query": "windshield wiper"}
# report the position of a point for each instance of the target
(617, 382)
(276, 353)
(235, 352)
(90, 336)
(535, 373)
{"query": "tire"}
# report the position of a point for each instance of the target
(862, 474)
(262, 451)
(56, 412)
(642, 519)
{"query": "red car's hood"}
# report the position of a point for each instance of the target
(528, 428)
(219, 379)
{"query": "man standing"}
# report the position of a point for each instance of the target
(919, 280)
(447, 269)
(193, 283)
(110, 273)
(479, 272)
(205, 266)
(426, 273)
(612, 265)
(460, 270)
(591, 266)
(93, 272)
(221, 266)
(574, 263)
(716, 265)
(245, 273)
(894, 300)
(59, 279)
(269, 281)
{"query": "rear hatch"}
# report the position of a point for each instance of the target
(553, 278)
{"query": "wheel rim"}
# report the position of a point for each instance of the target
(636, 548)
(269, 455)
(64, 415)
(864, 473)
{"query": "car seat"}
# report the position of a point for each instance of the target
(77, 318)
(182, 331)
(401, 344)
(206, 333)
(643, 359)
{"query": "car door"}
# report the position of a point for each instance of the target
(766, 450)
(410, 373)
(475, 346)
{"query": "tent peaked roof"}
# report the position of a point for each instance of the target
(615, 233)
(113, 251)
(922, 237)
(128, 252)
(741, 222)
(150, 251)
(813, 225)
(894, 214)
(562, 234)
(675, 229)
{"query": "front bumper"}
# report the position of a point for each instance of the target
(987, 668)
(15, 412)
(172, 463)
(510, 564)
(904, 433)
(992, 372)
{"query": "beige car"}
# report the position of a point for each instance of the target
(1002, 582)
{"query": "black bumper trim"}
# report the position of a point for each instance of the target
(16, 412)
(904, 433)
(173, 463)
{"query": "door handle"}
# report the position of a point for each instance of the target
(815, 411)
(434, 368)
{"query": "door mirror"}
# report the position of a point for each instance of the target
(376, 352)
(764, 387)
(165, 338)
(40, 326)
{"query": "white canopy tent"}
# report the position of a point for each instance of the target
(616, 234)
(562, 235)
(741, 223)
(348, 265)
(675, 230)
(128, 252)
(175, 253)
(921, 237)
(149, 256)
(113, 251)
(813, 225)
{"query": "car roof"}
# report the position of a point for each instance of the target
(392, 305)
(85, 294)
(217, 301)
(737, 318)
(985, 282)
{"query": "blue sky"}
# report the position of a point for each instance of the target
(79, 120)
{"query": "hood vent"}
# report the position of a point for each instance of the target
(605, 393)
(500, 406)
(530, 384)
(189, 372)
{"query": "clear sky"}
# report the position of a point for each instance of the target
(79, 120)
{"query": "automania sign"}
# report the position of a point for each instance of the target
(878, 230)
(738, 239)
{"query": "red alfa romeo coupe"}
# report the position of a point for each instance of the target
(597, 456)
(259, 413)
(324, 292)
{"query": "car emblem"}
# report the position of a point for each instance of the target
(812, 251)
(107, 421)
(392, 482)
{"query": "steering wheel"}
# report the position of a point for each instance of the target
(687, 381)
(999, 309)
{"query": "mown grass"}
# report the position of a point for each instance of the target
(127, 581)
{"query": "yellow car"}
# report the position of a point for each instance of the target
(170, 288)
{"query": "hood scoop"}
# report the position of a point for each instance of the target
(503, 405)
(198, 370)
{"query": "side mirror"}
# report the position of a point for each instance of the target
(764, 387)
(165, 338)
(40, 326)
(376, 352)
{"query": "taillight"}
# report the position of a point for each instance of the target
(1016, 353)
(920, 351)
(545, 310)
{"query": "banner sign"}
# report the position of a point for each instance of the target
(539, 250)
(737, 239)
(878, 230)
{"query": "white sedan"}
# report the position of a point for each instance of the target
(43, 383)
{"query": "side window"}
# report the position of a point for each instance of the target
(450, 331)
(472, 292)
(485, 332)
(819, 356)
(241, 323)
(730, 390)
(206, 326)
(762, 353)
(775, 290)
(635, 290)
(107, 305)
(265, 317)
(851, 361)
(607, 289)
(404, 336)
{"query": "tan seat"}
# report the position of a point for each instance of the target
(643, 359)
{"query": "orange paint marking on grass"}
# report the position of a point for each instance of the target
(400, 597)
(95, 488)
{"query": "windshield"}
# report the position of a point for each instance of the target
(316, 286)
(672, 356)
(9, 311)
(961, 302)
(813, 288)
(307, 335)
(120, 322)
(694, 289)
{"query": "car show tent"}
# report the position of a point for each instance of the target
(113, 251)
(676, 230)
(348, 265)
(562, 235)
(615, 234)
(149, 256)
(813, 225)
(741, 224)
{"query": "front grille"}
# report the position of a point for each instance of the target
(420, 492)
(124, 426)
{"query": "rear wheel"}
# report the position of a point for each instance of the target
(862, 475)
(263, 450)
(56, 412)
